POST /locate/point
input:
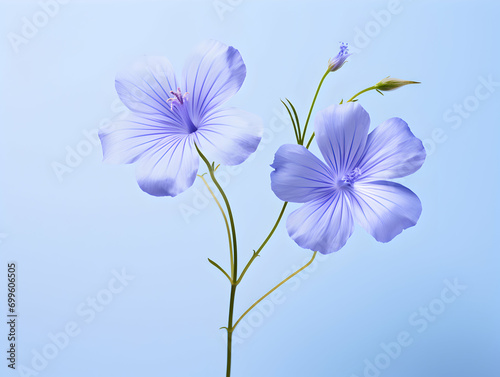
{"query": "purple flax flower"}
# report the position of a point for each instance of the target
(338, 61)
(168, 117)
(351, 185)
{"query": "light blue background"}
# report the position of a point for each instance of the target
(67, 237)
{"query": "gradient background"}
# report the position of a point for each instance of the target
(68, 236)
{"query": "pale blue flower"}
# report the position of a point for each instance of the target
(351, 184)
(168, 117)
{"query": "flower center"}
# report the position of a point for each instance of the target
(177, 99)
(350, 178)
(177, 105)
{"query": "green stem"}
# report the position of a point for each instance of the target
(229, 212)
(363, 91)
(272, 290)
(230, 329)
(310, 140)
(225, 222)
(234, 272)
(312, 106)
(256, 253)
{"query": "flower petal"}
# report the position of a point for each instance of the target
(322, 225)
(300, 176)
(213, 74)
(384, 208)
(392, 151)
(145, 88)
(229, 136)
(341, 132)
(169, 168)
(125, 140)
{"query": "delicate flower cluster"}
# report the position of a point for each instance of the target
(174, 123)
(170, 120)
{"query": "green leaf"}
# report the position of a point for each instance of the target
(296, 117)
(221, 269)
(297, 136)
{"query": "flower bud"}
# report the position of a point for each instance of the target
(391, 83)
(338, 61)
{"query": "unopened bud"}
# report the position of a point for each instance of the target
(338, 61)
(390, 83)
